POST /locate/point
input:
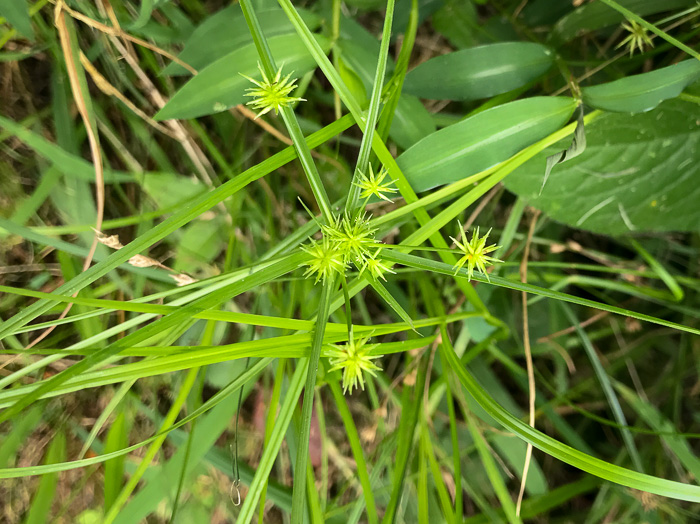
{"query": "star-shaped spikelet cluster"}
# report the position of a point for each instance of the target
(271, 93)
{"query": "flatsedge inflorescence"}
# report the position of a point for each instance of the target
(374, 185)
(475, 253)
(271, 92)
(351, 240)
(354, 359)
(637, 38)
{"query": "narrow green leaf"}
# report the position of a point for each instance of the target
(172, 414)
(117, 438)
(412, 121)
(389, 299)
(479, 72)
(164, 323)
(356, 447)
(68, 164)
(43, 498)
(660, 270)
(299, 491)
(352, 203)
(440, 267)
(269, 455)
(193, 209)
(144, 14)
(490, 466)
(14, 438)
(231, 388)
(676, 443)
(605, 383)
(567, 454)
(102, 419)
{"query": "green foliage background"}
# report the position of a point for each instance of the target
(193, 366)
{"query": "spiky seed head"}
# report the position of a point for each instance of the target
(271, 93)
(375, 266)
(637, 37)
(354, 238)
(353, 359)
(475, 252)
(375, 185)
(324, 259)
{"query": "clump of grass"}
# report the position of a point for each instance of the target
(354, 358)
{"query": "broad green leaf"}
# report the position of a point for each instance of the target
(353, 81)
(226, 31)
(200, 242)
(596, 15)
(482, 141)
(544, 12)
(637, 93)
(169, 189)
(411, 120)
(17, 14)
(220, 85)
(638, 173)
(458, 22)
(479, 72)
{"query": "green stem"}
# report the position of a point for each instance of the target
(396, 83)
(356, 446)
(299, 488)
(352, 204)
(155, 446)
(651, 27)
(295, 133)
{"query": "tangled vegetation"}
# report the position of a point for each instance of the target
(244, 275)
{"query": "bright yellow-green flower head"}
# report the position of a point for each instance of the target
(354, 358)
(375, 185)
(353, 238)
(636, 38)
(271, 93)
(475, 253)
(375, 266)
(325, 259)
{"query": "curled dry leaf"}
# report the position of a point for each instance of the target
(109, 241)
(181, 279)
(142, 261)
